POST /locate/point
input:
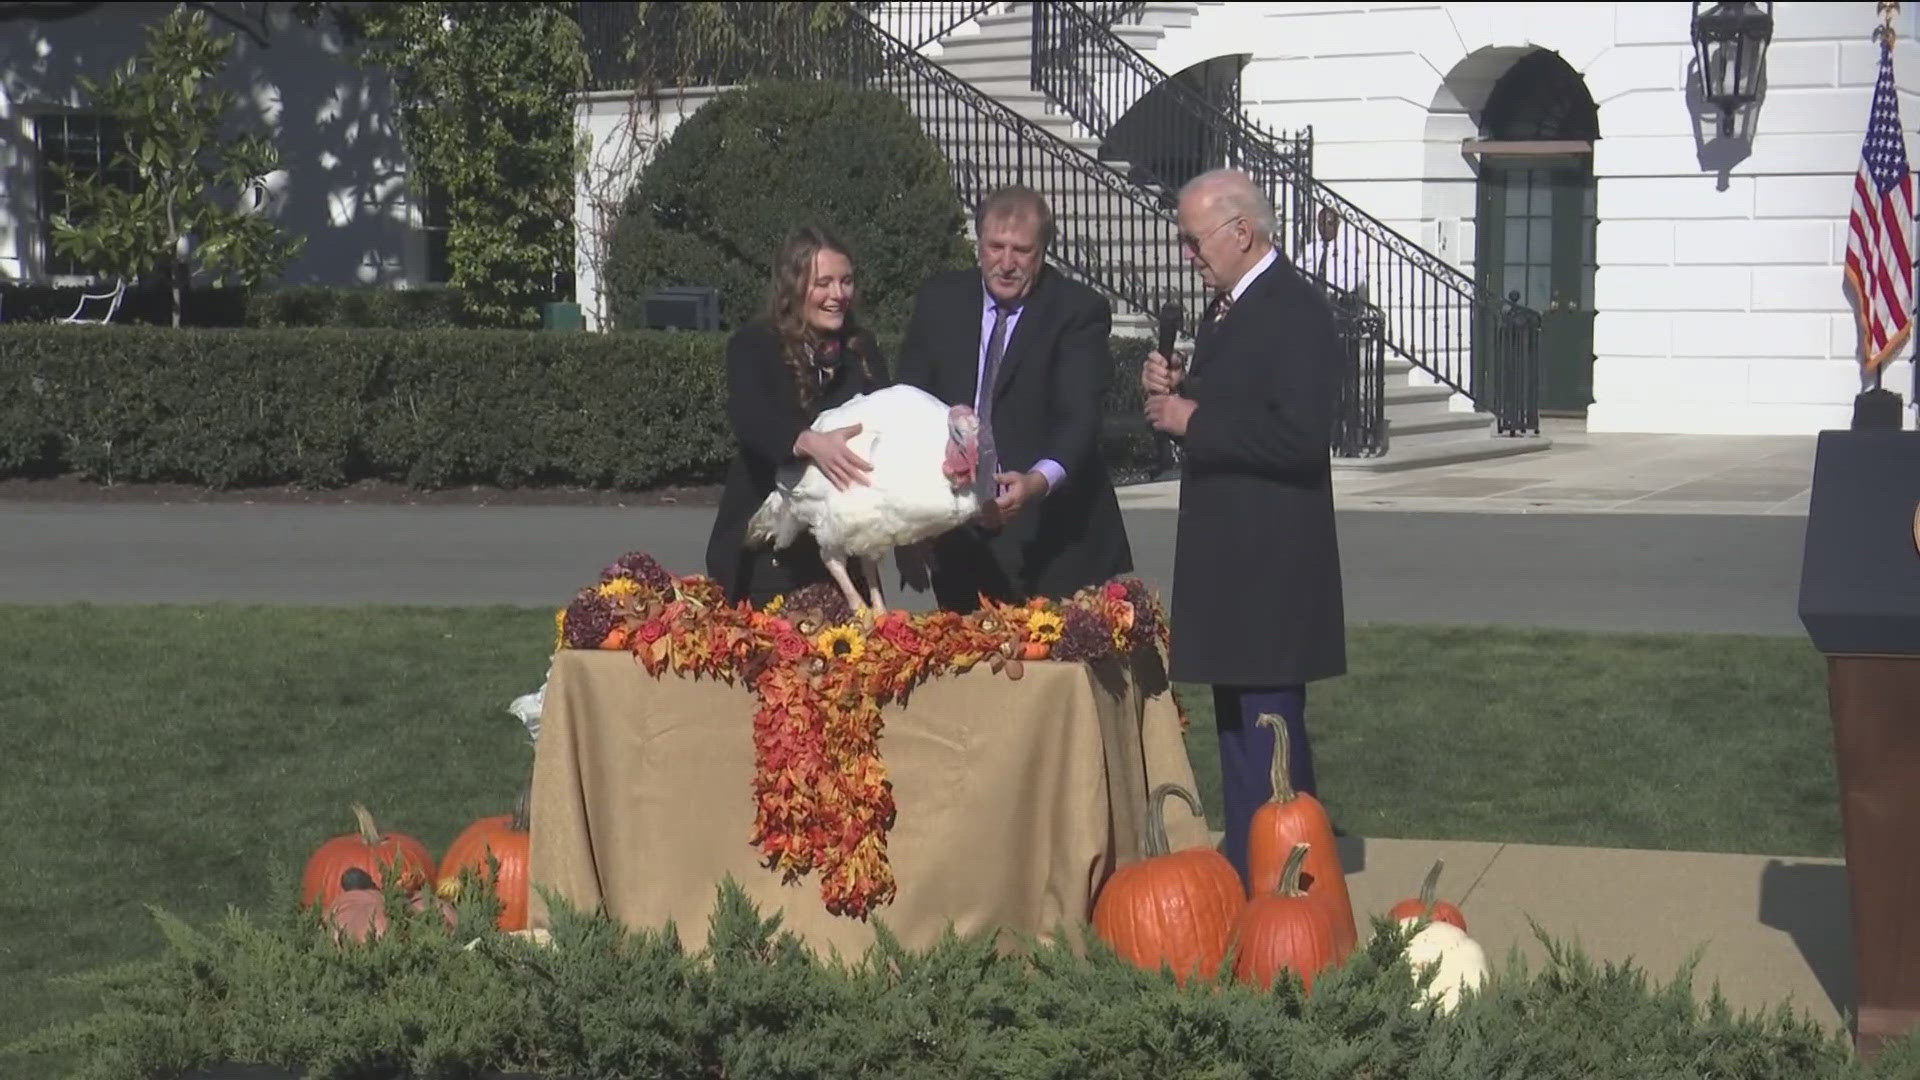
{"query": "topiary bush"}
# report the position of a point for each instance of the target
(753, 164)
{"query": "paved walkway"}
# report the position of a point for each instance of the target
(1767, 930)
(1587, 474)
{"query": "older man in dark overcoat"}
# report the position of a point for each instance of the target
(1257, 610)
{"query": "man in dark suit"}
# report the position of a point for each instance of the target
(1028, 350)
(1257, 609)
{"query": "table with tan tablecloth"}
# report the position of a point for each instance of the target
(1015, 799)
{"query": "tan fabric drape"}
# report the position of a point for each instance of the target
(1015, 799)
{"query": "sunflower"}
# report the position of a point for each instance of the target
(559, 629)
(620, 586)
(840, 642)
(1045, 627)
(775, 605)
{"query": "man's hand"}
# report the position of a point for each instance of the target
(1158, 376)
(835, 458)
(1169, 413)
(1016, 491)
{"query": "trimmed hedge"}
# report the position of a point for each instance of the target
(602, 1003)
(428, 408)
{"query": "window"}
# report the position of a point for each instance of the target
(433, 222)
(88, 144)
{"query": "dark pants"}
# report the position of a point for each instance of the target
(1246, 755)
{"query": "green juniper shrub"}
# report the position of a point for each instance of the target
(603, 1002)
(734, 178)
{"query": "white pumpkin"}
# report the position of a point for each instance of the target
(1461, 962)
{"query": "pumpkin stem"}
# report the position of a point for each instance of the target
(520, 809)
(1290, 874)
(369, 833)
(1430, 886)
(1157, 843)
(1278, 773)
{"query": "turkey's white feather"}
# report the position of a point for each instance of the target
(904, 436)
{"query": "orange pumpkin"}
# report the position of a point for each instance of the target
(1286, 929)
(506, 836)
(1172, 908)
(368, 850)
(1294, 817)
(1035, 650)
(1425, 904)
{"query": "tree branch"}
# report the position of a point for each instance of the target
(259, 31)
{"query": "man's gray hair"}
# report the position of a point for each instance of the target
(1235, 193)
(1016, 202)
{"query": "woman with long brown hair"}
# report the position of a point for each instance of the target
(806, 353)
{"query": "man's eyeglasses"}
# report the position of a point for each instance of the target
(1193, 244)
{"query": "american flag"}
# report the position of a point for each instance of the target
(1880, 227)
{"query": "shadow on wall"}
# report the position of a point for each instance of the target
(343, 164)
(1719, 153)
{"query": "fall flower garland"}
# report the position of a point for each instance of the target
(821, 794)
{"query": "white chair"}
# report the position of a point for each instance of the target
(112, 298)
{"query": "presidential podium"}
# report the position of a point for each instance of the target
(1860, 603)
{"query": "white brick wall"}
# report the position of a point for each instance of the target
(1719, 297)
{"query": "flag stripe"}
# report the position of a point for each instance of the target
(1879, 256)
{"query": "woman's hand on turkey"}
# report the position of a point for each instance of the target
(829, 451)
(1157, 376)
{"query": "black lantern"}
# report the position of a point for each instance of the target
(1729, 40)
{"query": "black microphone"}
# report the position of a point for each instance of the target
(1170, 317)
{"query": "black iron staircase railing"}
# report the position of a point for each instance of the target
(1432, 314)
(919, 25)
(1167, 130)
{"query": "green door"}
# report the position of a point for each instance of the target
(1536, 232)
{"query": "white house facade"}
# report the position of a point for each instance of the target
(1560, 154)
(342, 185)
(1714, 282)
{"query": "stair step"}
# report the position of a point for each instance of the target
(1413, 395)
(1451, 423)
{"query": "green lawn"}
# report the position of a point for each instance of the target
(173, 755)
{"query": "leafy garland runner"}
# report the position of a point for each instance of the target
(822, 797)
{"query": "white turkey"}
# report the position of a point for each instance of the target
(924, 457)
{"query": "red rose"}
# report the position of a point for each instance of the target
(652, 630)
(791, 647)
(1116, 591)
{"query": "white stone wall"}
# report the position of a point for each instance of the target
(342, 185)
(1719, 293)
(620, 134)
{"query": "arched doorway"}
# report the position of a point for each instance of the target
(1535, 216)
(1158, 136)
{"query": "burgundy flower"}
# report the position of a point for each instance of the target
(589, 619)
(1087, 635)
(824, 597)
(642, 568)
